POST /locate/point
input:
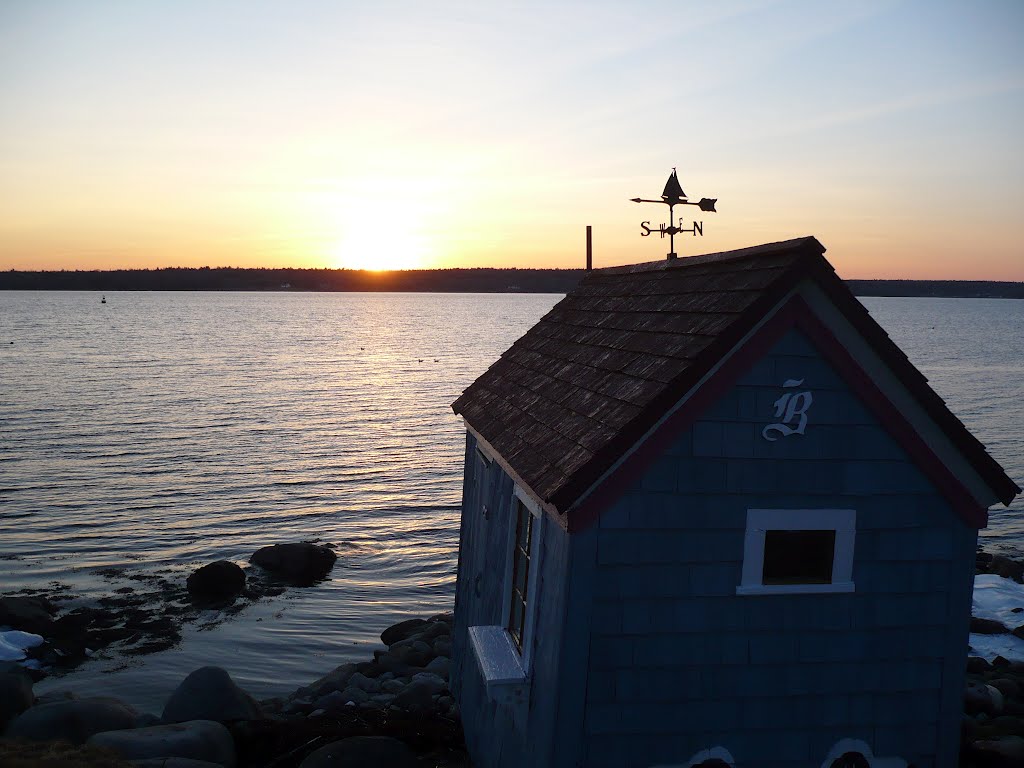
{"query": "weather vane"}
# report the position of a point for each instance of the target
(673, 196)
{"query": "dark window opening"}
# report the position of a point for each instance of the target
(520, 573)
(798, 557)
(850, 760)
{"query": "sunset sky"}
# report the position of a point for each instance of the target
(396, 135)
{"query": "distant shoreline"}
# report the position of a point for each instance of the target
(479, 280)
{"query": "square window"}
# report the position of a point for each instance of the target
(798, 557)
(788, 551)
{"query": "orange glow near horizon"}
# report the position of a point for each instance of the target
(422, 137)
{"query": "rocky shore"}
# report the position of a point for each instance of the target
(395, 710)
(147, 612)
(992, 732)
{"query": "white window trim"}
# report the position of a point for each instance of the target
(842, 521)
(504, 669)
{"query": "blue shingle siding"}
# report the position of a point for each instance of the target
(505, 735)
(776, 679)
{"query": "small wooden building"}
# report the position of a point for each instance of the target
(713, 516)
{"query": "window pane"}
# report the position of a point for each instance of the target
(517, 619)
(520, 572)
(798, 557)
(524, 526)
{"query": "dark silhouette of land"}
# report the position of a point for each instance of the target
(416, 280)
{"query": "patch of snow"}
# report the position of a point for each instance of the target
(990, 646)
(995, 597)
(14, 642)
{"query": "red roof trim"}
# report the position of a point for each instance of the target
(972, 449)
(795, 313)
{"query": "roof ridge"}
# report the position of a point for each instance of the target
(715, 258)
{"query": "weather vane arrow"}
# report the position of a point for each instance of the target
(672, 196)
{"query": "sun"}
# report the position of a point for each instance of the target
(373, 238)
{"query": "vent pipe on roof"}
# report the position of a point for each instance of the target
(590, 249)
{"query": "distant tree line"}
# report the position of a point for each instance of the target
(480, 280)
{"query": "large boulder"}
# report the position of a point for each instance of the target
(1005, 752)
(987, 626)
(173, 762)
(1007, 568)
(362, 751)
(73, 720)
(417, 698)
(209, 693)
(335, 680)
(300, 563)
(402, 630)
(216, 582)
(196, 740)
(15, 696)
(30, 614)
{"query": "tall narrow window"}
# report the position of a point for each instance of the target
(520, 573)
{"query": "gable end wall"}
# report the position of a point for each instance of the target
(678, 662)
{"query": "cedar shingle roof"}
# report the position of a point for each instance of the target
(571, 396)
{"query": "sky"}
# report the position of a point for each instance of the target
(137, 134)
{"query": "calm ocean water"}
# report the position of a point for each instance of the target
(161, 431)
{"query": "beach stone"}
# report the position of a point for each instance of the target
(977, 664)
(334, 680)
(443, 646)
(217, 581)
(173, 762)
(434, 682)
(299, 705)
(147, 719)
(440, 666)
(362, 752)
(354, 694)
(361, 681)
(978, 700)
(435, 630)
(73, 720)
(1018, 632)
(415, 698)
(29, 614)
(1009, 688)
(301, 563)
(401, 631)
(1007, 568)
(1006, 752)
(197, 739)
(51, 696)
(15, 696)
(1005, 725)
(448, 617)
(331, 701)
(402, 656)
(988, 626)
(392, 686)
(209, 693)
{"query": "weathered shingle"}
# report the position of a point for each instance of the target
(566, 400)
